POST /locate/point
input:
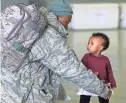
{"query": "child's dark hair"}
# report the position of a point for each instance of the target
(104, 37)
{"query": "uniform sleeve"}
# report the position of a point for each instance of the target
(110, 74)
(62, 60)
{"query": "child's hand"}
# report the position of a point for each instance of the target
(109, 95)
(96, 73)
(113, 87)
(109, 85)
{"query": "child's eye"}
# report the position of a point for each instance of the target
(92, 43)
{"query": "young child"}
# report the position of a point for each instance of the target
(99, 64)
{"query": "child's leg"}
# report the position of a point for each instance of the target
(84, 99)
(102, 100)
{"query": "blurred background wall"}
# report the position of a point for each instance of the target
(44, 2)
(96, 1)
(107, 16)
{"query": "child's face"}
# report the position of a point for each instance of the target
(95, 45)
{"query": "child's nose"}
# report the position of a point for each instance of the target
(89, 45)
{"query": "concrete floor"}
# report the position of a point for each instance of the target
(116, 54)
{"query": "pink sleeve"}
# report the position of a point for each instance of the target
(84, 60)
(110, 75)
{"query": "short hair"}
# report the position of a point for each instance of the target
(104, 37)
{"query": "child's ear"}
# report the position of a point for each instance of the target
(101, 48)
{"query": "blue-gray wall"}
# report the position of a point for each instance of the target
(5, 3)
(96, 1)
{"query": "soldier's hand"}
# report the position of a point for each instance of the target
(109, 94)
